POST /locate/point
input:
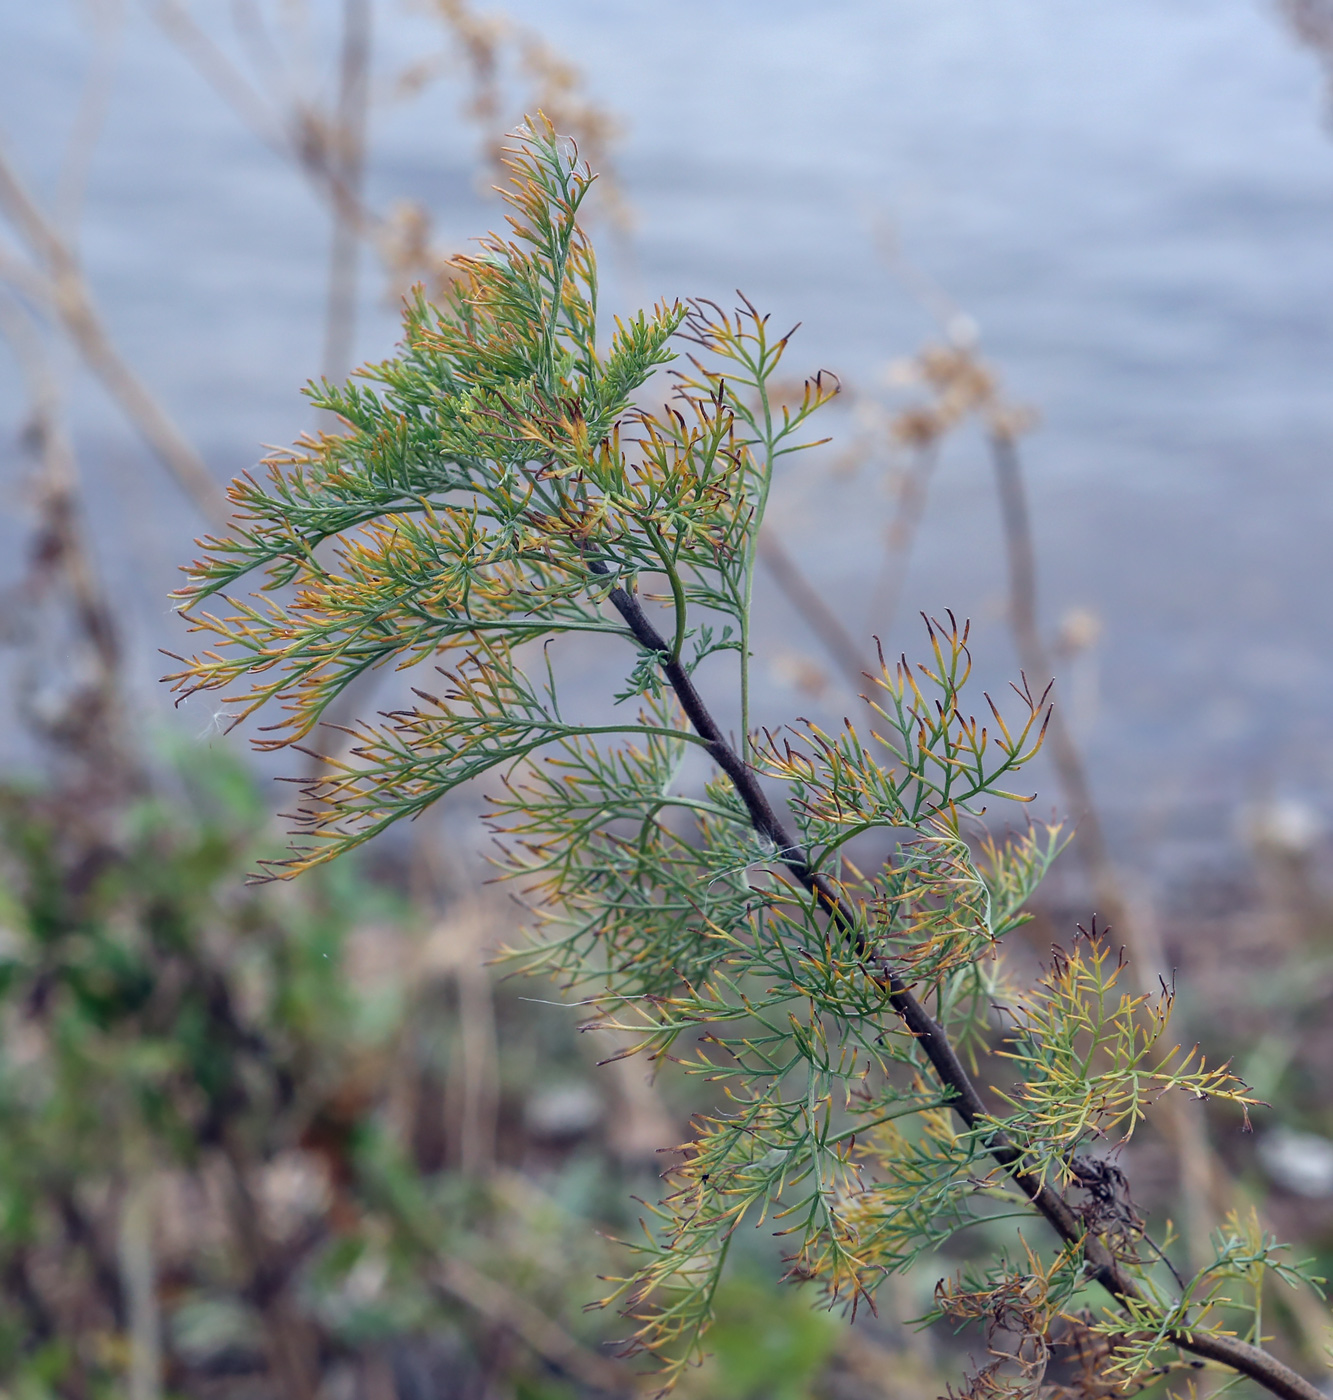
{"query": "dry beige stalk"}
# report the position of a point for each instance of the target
(59, 281)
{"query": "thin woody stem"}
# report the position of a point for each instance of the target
(63, 288)
(1091, 844)
(966, 1101)
(813, 610)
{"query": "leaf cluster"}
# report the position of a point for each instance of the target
(1091, 1060)
(499, 486)
(1229, 1287)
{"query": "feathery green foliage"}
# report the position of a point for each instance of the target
(500, 484)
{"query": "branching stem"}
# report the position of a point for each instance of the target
(965, 1100)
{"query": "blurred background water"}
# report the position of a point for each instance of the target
(297, 1141)
(1133, 203)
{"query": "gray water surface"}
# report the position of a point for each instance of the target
(1134, 203)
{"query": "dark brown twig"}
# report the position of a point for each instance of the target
(966, 1101)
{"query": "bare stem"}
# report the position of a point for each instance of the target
(67, 294)
(888, 590)
(1033, 657)
(348, 163)
(812, 609)
(93, 728)
(966, 1101)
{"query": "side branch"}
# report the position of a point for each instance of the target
(966, 1102)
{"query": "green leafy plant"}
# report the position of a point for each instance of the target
(159, 1040)
(196, 1165)
(815, 928)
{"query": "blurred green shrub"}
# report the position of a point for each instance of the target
(499, 485)
(201, 1170)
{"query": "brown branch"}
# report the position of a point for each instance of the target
(966, 1101)
(61, 544)
(81, 1233)
(107, 21)
(219, 72)
(812, 609)
(302, 135)
(68, 296)
(92, 728)
(902, 533)
(1033, 657)
(347, 167)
